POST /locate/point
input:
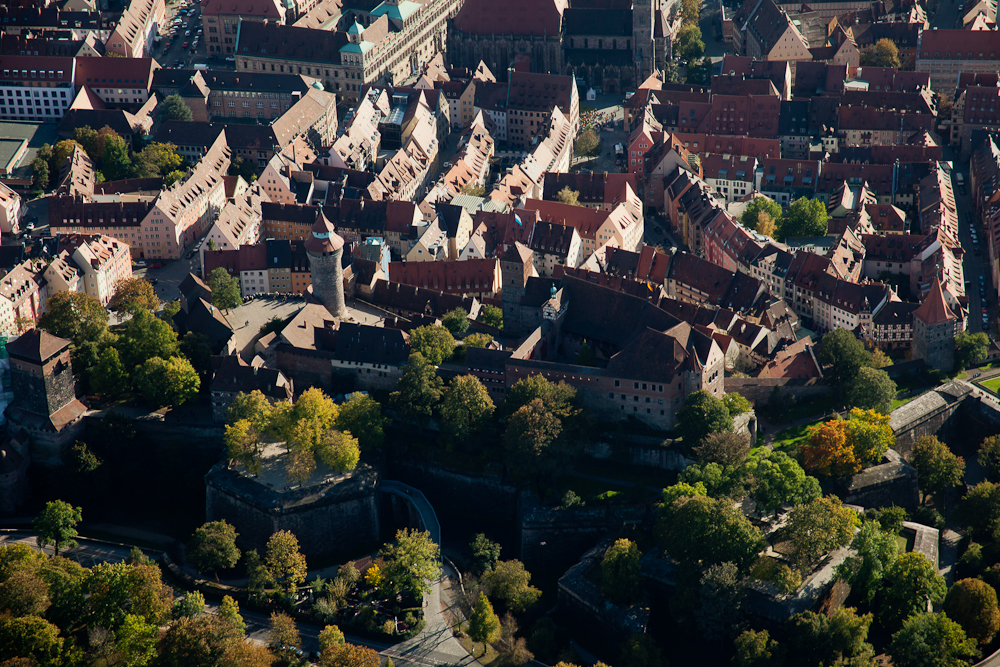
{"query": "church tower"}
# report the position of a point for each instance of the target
(642, 36)
(324, 249)
(516, 266)
(934, 330)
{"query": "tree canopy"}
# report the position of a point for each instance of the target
(779, 480)
(225, 289)
(56, 525)
(931, 640)
(362, 417)
(456, 321)
(872, 389)
(213, 547)
(817, 527)
(938, 468)
(759, 205)
(874, 551)
(434, 342)
(706, 531)
(173, 108)
(621, 580)
(689, 44)
(701, 415)
(883, 53)
(418, 390)
(970, 349)
(972, 603)
(76, 316)
(412, 561)
(805, 217)
(846, 355)
(466, 408)
(133, 293)
(910, 583)
(509, 583)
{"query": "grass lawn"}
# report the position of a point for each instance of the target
(991, 385)
(790, 439)
(476, 649)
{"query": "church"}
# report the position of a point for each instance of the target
(609, 45)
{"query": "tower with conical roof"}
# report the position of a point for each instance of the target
(324, 249)
(934, 330)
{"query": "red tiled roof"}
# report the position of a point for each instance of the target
(959, 44)
(934, 309)
(511, 17)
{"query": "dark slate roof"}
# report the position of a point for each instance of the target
(372, 345)
(233, 375)
(598, 22)
(270, 40)
(610, 316)
(36, 345)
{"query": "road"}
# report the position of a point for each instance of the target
(973, 265)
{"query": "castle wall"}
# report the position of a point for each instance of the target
(329, 518)
(486, 496)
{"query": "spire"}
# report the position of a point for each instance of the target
(934, 310)
(324, 239)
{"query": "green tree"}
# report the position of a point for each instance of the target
(115, 161)
(284, 633)
(157, 159)
(690, 11)
(620, 577)
(60, 153)
(869, 435)
(702, 414)
(989, 456)
(477, 340)
(330, 637)
(737, 404)
(874, 551)
(558, 398)
(510, 583)
(845, 354)
(286, 566)
(39, 175)
(56, 525)
(456, 321)
(86, 136)
(882, 53)
(529, 438)
(707, 531)
(245, 445)
(229, 610)
(167, 382)
(721, 596)
(418, 390)
(840, 639)
(818, 527)
(30, 637)
(640, 651)
(254, 407)
(681, 490)
(586, 356)
(115, 590)
(757, 649)
(726, 448)
(466, 408)
(872, 389)
(491, 316)
(173, 108)
(206, 640)
(780, 480)
(191, 604)
(587, 143)
(805, 217)
(361, 416)
(980, 510)
(213, 547)
(699, 71)
(484, 625)
(434, 342)
(938, 468)
(412, 561)
(225, 289)
(109, 376)
(759, 205)
(24, 594)
(135, 641)
(196, 348)
(172, 177)
(75, 315)
(485, 553)
(133, 293)
(145, 336)
(931, 640)
(970, 349)
(566, 196)
(972, 603)
(910, 583)
(689, 44)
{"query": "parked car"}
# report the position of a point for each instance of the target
(184, 46)
(30, 226)
(156, 265)
(141, 264)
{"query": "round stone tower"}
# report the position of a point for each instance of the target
(324, 249)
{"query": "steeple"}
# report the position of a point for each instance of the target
(324, 238)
